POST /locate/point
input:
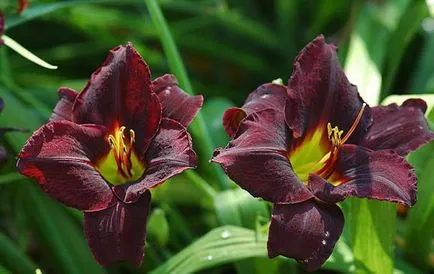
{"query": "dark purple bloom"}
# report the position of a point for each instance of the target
(308, 145)
(107, 146)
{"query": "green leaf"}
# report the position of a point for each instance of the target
(403, 35)
(402, 267)
(423, 77)
(25, 53)
(369, 46)
(220, 246)
(15, 259)
(198, 127)
(342, 258)
(10, 177)
(238, 207)
(420, 220)
(212, 112)
(158, 228)
(63, 240)
(372, 224)
(37, 10)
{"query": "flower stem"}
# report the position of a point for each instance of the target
(198, 127)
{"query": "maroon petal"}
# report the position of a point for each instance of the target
(266, 96)
(256, 159)
(325, 92)
(119, 94)
(63, 109)
(118, 233)
(59, 157)
(306, 231)
(401, 128)
(176, 104)
(169, 154)
(361, 172)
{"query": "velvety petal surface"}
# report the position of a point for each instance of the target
(118, 94)
(169, 154)
(305, 231)
(118, 233)
(401, 128)
(63, 108)
(325, 92)
(59, 157)
(361, 172)
(266, 96)
(256, 159)
(176, 104)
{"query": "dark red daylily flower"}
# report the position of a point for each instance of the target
(308, 145)
(107, 146)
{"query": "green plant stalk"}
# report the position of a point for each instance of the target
(176, 65)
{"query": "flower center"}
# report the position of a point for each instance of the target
(121, 165)
(325, 165)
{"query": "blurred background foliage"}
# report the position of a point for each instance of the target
(229, 48)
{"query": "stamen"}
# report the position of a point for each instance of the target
(122, 149)
(335, 137)
(353, 127)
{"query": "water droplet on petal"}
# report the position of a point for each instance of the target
(327, 234)
(323, 242)
(225, 234)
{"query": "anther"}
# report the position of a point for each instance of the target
(122, 149)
